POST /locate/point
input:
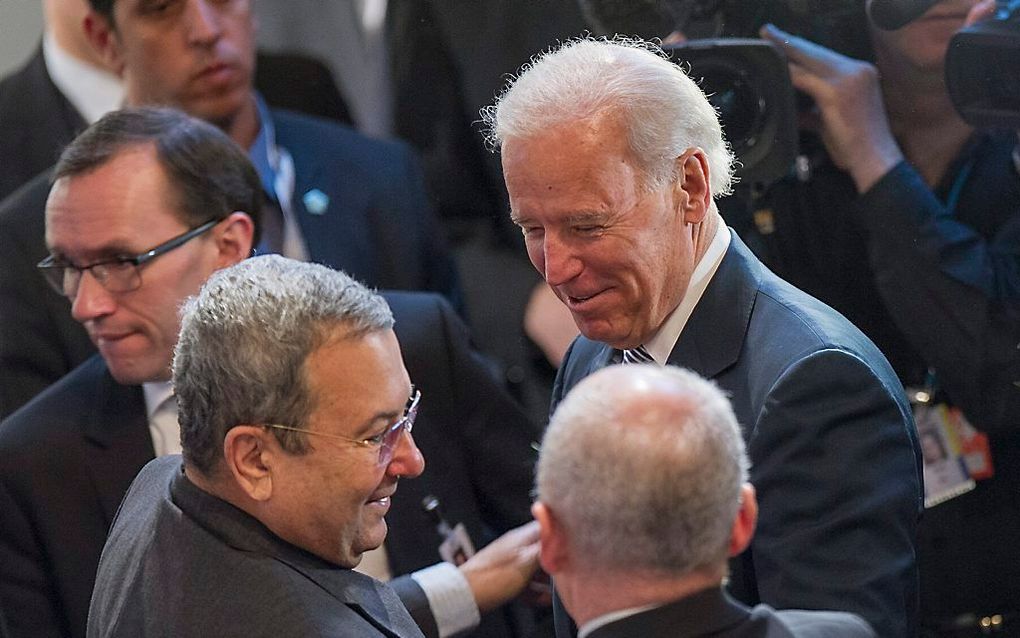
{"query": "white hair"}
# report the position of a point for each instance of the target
(643, 467)
(663, 110)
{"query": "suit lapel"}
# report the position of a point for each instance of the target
(714, 335)
(117, 431)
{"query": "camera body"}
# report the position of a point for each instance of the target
(746, 79)
(983, 67)
(748, 83)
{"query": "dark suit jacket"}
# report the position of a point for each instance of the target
(37, 121)
(180, 561)
(834, 454)
(713, 613)
(377, 227)
(68, 457)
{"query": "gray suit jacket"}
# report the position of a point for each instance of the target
(834, 454)
(713, 613)
(181, 562)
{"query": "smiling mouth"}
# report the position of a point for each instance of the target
(578, 301)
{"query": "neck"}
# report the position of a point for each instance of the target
(595, 593)
(243, 126)
(922, 117)
(704, 232)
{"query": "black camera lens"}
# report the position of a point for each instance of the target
(740, 104)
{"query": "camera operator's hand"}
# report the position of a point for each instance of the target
(981, 11)
(854, 125)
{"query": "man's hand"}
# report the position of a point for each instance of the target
(501, 570)
(548, 323)
(854, 124)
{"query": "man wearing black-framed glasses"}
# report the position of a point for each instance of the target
(147, 204)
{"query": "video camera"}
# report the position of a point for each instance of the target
(983, 66)
(747, 80)
(982, 62)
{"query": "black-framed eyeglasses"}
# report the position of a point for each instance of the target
(118, 274)
(386, 441)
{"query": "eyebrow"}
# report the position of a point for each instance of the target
(106, 252)
(376, 423)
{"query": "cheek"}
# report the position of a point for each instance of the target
(536, 253)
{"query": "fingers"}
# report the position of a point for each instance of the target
(980, 11)
(814, 58)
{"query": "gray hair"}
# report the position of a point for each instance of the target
(643, 466)
(244, 340)
(663, 110)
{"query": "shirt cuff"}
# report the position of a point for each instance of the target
(450, 598)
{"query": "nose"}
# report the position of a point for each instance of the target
(91, 301)
(407, 459)
(559, 264)
(203, 22)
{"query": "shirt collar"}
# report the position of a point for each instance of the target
(156, 393)
(612, 616)
(664, 340)
(263, 153)
(92, 91)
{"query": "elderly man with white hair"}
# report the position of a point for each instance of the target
(639, 547)
(612, 158)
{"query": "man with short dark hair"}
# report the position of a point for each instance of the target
(639, 547)
(333, 196)
(148, 203)
(296, 414)
(612, 157)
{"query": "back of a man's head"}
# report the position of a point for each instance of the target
(244, 342)
(643, 467)
(662, 109)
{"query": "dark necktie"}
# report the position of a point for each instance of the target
(637, 355)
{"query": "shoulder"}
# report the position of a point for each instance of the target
(25, 81)
(410, 306)
(790, 328)
(23, 211)
(818, 623)
(301, 134)
(54, 413)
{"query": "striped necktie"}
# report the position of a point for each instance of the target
(637, 355)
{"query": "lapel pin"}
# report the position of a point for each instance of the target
(316, 201)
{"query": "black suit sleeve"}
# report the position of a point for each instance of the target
(830, 420)
(954, 292)
(413, 597)
(26, 593)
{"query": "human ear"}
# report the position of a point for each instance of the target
(100, 33)
(234, 240)
(692, 185)
(247, 456)
(744, 524)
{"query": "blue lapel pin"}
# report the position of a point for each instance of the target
(316, 202)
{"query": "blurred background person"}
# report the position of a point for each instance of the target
(331, 195)
(65, 86)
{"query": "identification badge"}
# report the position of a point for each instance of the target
(946, 472)
(456, 547)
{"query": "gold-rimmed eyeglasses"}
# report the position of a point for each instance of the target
(386, 441)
